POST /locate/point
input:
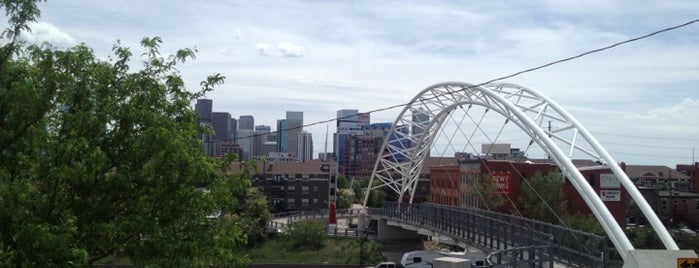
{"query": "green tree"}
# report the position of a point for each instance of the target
(542, 197)
(255, 216)
(342, 182)
(345, 198)
(584, 222)
(485, 191)
(96, 159)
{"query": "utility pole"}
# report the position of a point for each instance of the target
(549, 156)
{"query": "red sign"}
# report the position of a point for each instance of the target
(332, 218)
(503, 182)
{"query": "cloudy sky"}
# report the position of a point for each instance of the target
(640, 100)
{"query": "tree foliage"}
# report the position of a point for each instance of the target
(97, 159)
(542, 197)
(345, 198)
(485, 191)
(376, 196)
(255, 215)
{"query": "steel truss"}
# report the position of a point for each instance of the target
(403, 154)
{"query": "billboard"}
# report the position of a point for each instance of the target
(502, 181)
(609, 181)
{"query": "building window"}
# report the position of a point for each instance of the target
(304, 189)
(291, 202)
(291, 188)
(315, 200)
(304, 202)
(315, 188)
(664, 204)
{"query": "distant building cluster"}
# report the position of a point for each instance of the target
(356, 141)
(293, 180)
(289, 143)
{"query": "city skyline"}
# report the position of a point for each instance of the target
(640, 100)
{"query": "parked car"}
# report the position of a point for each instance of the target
(386, 264)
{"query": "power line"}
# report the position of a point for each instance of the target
(506, 76)
(644, 137)
(649, 146)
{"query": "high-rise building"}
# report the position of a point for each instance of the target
(361, 151)
(245, 140)
(234, 130)
(244, 135)
(421, 119)
(287, 132)
(258, 141)
(359, 155)
(222, 126)
(294, 122)
(282, 136)
(270, 145)
(246, 122)
(203, 109)
(349, 122)
(221, 123)
(305, 146)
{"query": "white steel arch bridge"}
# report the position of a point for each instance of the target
(418, 125)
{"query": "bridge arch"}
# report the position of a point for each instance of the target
(415, 129)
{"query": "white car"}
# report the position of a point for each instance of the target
(687, 231)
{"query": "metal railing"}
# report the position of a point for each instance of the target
(295, 216)
(532, 256)
(497, 231)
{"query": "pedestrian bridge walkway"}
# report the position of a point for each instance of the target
(509, 239)
(496, 232)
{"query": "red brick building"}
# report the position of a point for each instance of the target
(692, 171)
(450, 185)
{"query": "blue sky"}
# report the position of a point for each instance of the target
(640, 100)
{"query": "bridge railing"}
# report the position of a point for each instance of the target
(532, 256)
(497, 231)
(293, 216)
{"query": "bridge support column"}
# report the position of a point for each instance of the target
(389, 232)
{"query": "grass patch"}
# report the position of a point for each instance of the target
(334, 251)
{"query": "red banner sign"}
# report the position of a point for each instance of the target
(503, 181)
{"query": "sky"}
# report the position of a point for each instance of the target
(640, 100)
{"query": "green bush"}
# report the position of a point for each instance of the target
(305, 235)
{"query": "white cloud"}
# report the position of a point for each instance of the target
(290, 50)
(45, 32)
(687, 109)
(281, 50)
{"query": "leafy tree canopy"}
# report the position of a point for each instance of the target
(542, 197)
(97, 159)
